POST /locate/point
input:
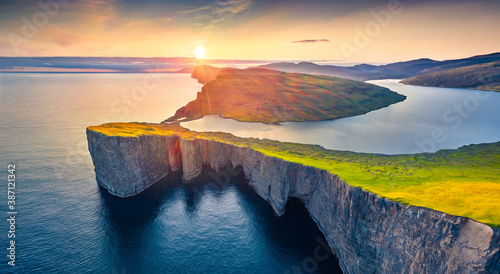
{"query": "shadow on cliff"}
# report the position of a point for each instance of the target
(141, 208)
(132, 225)
(138, 211)
(127, 222)
(294, 231)
(212, 182)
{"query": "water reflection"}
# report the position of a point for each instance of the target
(206, 226)
(128, 223)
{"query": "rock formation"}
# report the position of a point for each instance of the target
(367, 233)
(204, 73)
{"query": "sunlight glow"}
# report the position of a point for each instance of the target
(199, 52)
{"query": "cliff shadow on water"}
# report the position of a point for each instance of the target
(215, 223)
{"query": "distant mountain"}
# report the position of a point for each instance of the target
(311, 68)
(362, 72)
(397, 70)
(482, 76)
(109, 64)
(94, 64)
(189, 69)
(475, 60)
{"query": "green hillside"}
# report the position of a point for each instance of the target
(482, 77)
(269, 96)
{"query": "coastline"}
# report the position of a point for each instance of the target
(366, 231)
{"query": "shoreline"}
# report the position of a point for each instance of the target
(366, 231)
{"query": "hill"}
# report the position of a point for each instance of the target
(397, 70)
(269, 96)
(483, 76)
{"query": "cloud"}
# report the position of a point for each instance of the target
(219, 10)
(231, 7)
(195, 10)
(311, 41)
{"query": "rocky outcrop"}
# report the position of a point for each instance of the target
(367, 233)
(204, 73)
(127, 166)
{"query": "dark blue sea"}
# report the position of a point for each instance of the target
(65, 223)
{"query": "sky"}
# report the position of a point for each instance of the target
(337, 30)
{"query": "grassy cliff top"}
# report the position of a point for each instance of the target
(270, 96)
(463, 182)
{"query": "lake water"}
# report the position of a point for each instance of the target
(67, 224)
(428, 120)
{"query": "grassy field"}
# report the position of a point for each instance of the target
(269, 96)
(463, 182)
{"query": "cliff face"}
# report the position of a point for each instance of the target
(127, 166)
(367, 233)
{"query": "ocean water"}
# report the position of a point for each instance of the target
(429, 119)
(65, 223)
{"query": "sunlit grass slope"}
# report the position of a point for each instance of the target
(464, 182)
(269, 96)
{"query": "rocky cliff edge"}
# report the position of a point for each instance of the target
(366, 232)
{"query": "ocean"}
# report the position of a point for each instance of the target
(66, 223)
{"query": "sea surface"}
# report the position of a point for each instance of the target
(429, 119)
(65, 223)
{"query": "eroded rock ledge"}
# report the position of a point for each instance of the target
(368, 233)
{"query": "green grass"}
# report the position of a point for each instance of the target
(463, 182)
(268, 96)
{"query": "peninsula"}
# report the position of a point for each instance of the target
(270, 96)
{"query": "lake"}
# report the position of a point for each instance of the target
(67, 224)
(428, 120)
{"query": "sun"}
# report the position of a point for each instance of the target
(199, 52)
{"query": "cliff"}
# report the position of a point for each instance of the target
(368, 233)
(204, 73)
(270, 96)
